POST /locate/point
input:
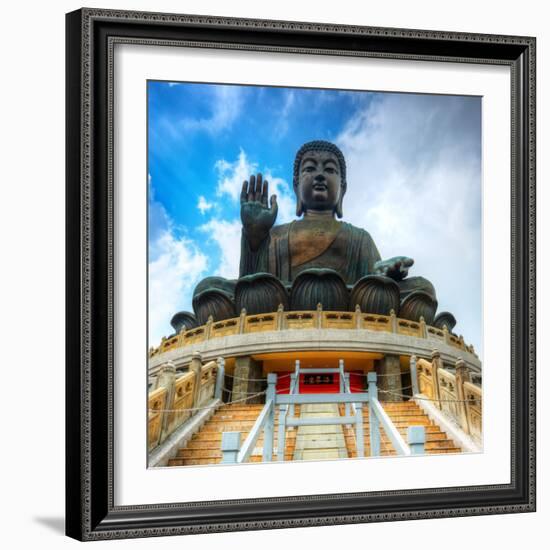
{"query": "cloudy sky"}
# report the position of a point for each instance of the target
(414, 182)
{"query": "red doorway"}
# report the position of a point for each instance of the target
(321, 383)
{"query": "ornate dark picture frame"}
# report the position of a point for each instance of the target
(91, 513)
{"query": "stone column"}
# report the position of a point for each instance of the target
(246, 382)
(388, 370)
(437, 364)
(195, 367)
(462, 375)
(167, 379)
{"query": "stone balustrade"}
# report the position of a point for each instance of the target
(175, 398)
(453, 393)
(296, 320)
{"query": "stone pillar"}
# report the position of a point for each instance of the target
(242, 321)
(246, 379)
(167, 379)
(208, 328)
(423, 328)
(388, 370)
(462, 375)
(393, 321)
(319, 316)
(280, 317)
(437, 364)
(415, 389)
(195, 367)
(358, 317)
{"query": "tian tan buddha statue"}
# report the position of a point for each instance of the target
(313, 260)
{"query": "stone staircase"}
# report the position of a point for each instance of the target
(320, 442)
(402, 415)
(205, 446)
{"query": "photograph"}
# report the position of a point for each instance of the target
(314, 274)
(300, 273)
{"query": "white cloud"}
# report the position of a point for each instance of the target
(204, 205)
(282, 124)
(225, 107)
(231, 176)
(414, 183)
(227, 235)
(285, 197)
(176, 265)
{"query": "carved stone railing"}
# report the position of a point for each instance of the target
(156, 404)
(472, 394)
(175, 398)
(454, 394)
(297, 320)
(207, 384)
(427, 384)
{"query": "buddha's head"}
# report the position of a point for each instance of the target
(319, 178)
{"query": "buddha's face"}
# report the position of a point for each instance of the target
(320, 181)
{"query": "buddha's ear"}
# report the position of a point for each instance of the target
(299, 207)
(338, 208)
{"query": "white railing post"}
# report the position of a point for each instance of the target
(297, 371)
(416, 437)
(269, 427)
(414, 375)
(374, 424)
(343, 387)
(348, 390)
(281, 439)
(341, 367)
(292, 389)
(231, 441)
(359, 435)
(220, 378)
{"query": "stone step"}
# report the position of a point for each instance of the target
(227, 426)
(430, 446)
(244, 415)
(405, 422)
(244, 426)
(392, 452)
(433, 436)
(205, 443)
(385, 451)
(216, 437)
(402, 428)
(241, 407)
(211, 461)
(314, 443)
(323, 443)
(215, 451)
(214, 456)
(321, 454)
(205, 446)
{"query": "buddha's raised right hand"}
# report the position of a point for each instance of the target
(257, 217)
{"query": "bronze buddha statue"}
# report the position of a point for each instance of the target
(314, 259)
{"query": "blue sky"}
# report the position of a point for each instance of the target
(414, 182)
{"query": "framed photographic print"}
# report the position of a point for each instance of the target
(300, 274)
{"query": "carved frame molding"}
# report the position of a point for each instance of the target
(91, 35)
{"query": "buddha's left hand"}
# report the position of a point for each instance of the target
(396, 268)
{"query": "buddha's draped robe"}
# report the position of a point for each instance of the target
(299, 245)
(303, 244)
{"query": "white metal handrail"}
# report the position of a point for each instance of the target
(286, 403)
